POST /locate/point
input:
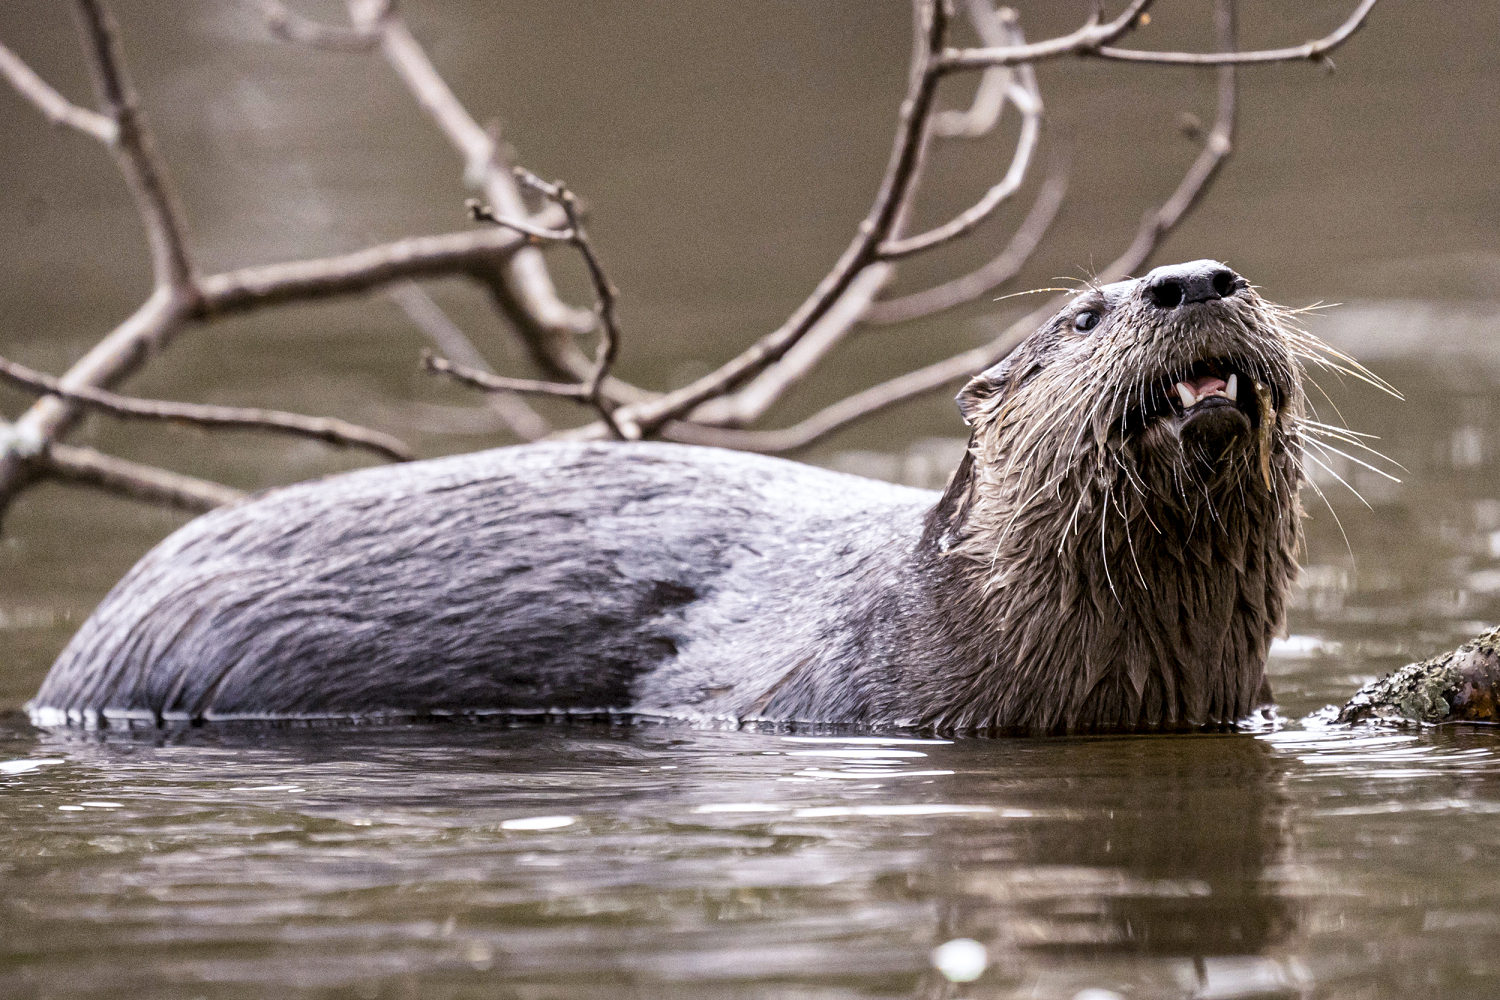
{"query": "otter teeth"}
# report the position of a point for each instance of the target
(1195, 392)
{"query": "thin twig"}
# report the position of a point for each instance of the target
(993, 26)
(889, 205)
(326, 429)
(451, 341)
(1315, 50)
(135, 151)
(56, 108)
(478, 378)
(604, 290)
(986, 278)
(87, 467)
(288, 26)
(1217, 146)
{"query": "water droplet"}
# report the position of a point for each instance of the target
(961, 960)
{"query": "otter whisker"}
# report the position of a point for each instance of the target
(1324, 497)
(1350, 432)
(1352, 438)
(1326, 447)
(1330, 470)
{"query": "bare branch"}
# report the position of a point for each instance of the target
(481, 379)
(327, 429)
(356, 272)
(135, 150)
(547, 323)
(523, 421)
(1094, 40)
(54, 106)
(1002, 268)
(878, 225)
(87, 467)
(993, 26)
(1217, 147)
(299, 30)
(1314, 50)
(1088, 38)
(1024, 93)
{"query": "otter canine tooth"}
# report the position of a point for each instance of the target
(1232, 389)
(1188, 399)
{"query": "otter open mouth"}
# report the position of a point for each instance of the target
(1209, 387)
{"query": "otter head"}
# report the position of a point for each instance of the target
(1185, 371)
(1126, 520)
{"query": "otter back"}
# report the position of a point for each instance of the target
(578, 576)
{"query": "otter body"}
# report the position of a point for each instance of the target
(1111, 554)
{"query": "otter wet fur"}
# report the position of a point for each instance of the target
(1113, 553)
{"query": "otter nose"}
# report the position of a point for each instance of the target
(1196, 281)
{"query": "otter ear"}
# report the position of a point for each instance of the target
(982, 391)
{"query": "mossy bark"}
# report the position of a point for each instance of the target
(1462, 685)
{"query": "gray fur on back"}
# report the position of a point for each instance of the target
(554, 575)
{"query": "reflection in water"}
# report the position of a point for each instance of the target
(556, 859)
(651, 856)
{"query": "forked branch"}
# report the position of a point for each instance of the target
(327, 429)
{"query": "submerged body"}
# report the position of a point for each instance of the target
(1111, 554)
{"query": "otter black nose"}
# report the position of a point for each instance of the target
(1196, 281)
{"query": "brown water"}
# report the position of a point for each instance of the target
(727, 151)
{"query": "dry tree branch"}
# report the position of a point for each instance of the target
(87, 467)
(478, 378)
(135, 150)
(591, 388)
(327, 429)
(56, 108)
(1316, 50)
(451, 341)
(992, 274)
(994, 26)
(180, 297)
(888, 208)
(1158, 223)
(1093, 40)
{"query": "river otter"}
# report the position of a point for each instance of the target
(1111, 554)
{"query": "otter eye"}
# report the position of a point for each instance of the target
(1086, 321)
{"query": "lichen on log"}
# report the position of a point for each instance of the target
(1462, 685)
